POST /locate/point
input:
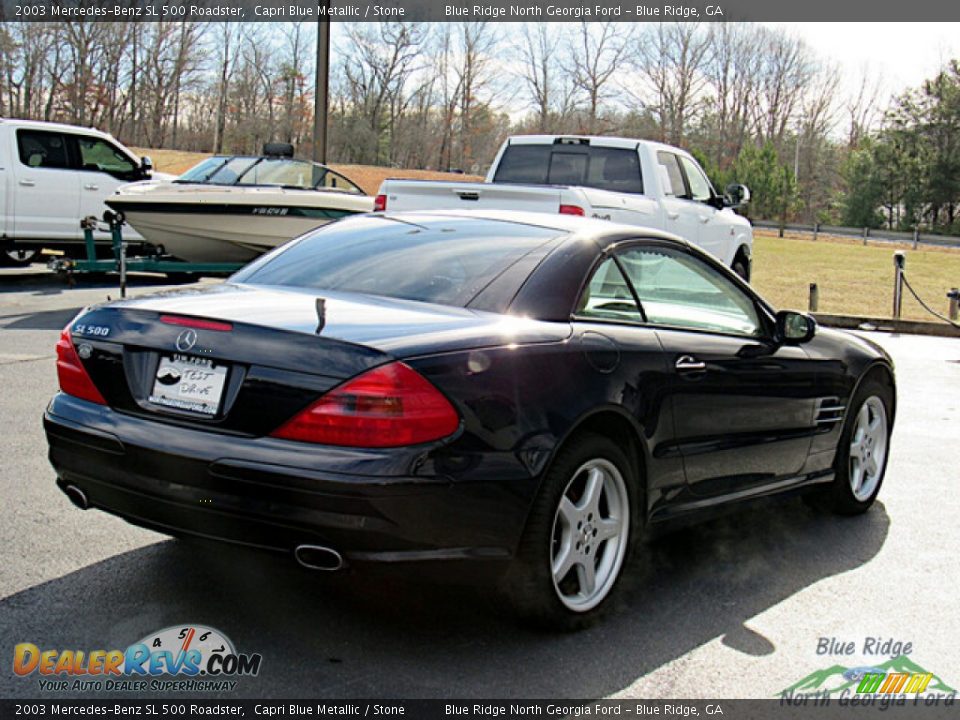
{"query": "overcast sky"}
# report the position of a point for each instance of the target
(902, 54)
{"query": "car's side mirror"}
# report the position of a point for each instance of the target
(146, 165)
(795, 327)
(737, 195)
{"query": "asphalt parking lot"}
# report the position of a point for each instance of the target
(733, 608)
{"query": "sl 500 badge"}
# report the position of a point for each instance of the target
(92, 330)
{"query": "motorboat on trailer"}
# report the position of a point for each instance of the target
(232, 208)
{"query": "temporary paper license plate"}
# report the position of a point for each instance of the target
(189, 383)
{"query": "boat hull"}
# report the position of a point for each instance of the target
(202, 225)
(213, 238)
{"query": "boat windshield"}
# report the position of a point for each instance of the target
(269, 172)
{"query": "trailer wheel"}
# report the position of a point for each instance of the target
(18, 257)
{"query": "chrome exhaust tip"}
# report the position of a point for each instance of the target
(317, 557)
(77, 496)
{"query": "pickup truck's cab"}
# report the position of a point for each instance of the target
(636, 182)
(51, 176)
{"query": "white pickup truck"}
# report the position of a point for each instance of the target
(636, 182)
(53, 175)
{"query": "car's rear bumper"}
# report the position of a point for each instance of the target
(378, 506)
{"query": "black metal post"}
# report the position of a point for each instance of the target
(320, 100)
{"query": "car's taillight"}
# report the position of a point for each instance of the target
(389, 406)
(71, 373)
(571, 210)
(380, 203)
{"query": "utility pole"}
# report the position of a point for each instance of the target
(320, 102)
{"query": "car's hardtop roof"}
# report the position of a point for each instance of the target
(603, 232)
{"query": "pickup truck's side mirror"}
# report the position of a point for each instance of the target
(794, 328)
(146, 165)
(737, 195)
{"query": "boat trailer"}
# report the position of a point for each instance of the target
(158, 262)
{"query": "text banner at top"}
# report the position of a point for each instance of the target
(495, 10)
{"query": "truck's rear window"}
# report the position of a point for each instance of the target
(606, 168)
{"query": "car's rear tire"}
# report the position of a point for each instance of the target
(862, 453)
(578, 537)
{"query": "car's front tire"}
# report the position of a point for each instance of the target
(862, 453)
(578, 536)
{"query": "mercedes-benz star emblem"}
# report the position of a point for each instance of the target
(186, 340)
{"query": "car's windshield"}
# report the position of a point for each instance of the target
(605, 168)
(439, 262)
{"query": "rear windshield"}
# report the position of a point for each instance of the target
(606, 168)
(444, 262)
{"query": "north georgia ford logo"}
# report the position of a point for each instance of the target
(179, 650)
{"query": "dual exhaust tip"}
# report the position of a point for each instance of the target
(312, 557)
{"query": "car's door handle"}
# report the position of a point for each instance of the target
(91, 186)
(27, 183)
(673, 215)
(704, 219)
(689, 364)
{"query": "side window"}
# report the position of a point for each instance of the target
(680, 290)
(98, 155)
(40, 149)
(699, 185)
(608, 296)
(671, 175)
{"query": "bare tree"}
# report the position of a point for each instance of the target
(672, 58)
(477, 41)
(729, 73)
(597, 52)
(786, 68)
(862, 108)
(229, 37)
(378, 64)
(547, 87)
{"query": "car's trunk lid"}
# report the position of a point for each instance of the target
(255, 356)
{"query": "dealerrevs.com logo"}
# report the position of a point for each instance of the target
(198, 657)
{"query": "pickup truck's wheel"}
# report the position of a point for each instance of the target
(18, 257)
(578, 537)
(741, 268)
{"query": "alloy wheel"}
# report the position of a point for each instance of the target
(590, 534)
(868, 448)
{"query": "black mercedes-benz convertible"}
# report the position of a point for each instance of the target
(527, 392)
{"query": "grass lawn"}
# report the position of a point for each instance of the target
(853, 279)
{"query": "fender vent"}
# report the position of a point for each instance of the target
(829, 412)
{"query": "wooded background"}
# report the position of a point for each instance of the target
(754, 104)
